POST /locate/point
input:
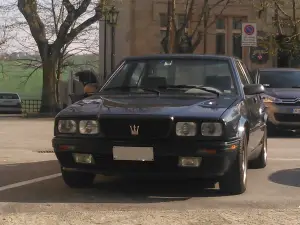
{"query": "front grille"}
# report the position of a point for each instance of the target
(287, 117)
(147, 127)
(289, 102)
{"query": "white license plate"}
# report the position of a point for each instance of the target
(296, 111)
(133, 153)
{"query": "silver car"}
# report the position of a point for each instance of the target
(10, 103)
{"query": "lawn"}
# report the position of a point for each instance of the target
(12, 74)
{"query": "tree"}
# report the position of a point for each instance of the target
(177, 39)
(285, 34)
(3, 35)
(70, 20)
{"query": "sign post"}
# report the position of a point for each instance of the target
(249, 35)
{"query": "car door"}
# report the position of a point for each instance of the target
(257, 111)
(249, 102)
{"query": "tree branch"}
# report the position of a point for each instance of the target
(75, 31)
(29, 10)
(72, 16)
(55, 19)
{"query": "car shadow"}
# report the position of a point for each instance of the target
(105, 189)
(289, 177)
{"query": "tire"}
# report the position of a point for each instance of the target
(77, 179)
(272, 131)
(261, 161)
(234, 181)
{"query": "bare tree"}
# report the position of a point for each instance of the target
(68, 20)
(285, 32)
(3, 35)
(178, 40)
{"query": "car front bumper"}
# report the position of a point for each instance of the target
(216, 157)
(283, 117)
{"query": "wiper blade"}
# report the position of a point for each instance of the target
(200, 87)
(127, 88)
(296, 86)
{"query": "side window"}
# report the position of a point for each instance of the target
(247, 73)
(241, 73)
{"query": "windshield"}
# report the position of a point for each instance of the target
(177, 73)
(8, 96)
(280, 79)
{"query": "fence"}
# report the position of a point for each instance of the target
(31, 105)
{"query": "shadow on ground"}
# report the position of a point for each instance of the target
(285, 135)
(289, 177)
(105, 189)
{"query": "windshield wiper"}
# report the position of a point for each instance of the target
(200, 87)
(296, 86)
(127, 88)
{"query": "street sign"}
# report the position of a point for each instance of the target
(249, 35)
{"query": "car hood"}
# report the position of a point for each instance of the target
(283, 92)
(168, 106)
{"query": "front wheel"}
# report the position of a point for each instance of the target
(75, 179)
(234, 182)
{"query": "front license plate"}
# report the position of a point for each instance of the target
(133, 153)
(296, 111)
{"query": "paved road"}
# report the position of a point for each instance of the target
(32, 192)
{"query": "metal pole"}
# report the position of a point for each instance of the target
(105, 54)
(112, 60)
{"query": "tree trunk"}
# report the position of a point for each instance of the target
(49, 103)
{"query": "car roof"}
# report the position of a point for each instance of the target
(279, 69)
(179, 56)
(9, 93)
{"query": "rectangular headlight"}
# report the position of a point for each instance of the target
(186, 129)
(211, 129)
(66, 126)
(88, 127)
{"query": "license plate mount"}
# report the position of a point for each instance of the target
(133, 153)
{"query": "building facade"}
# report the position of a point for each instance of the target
(142, 24)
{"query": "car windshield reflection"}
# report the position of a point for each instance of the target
(280, 79)
(185, 76)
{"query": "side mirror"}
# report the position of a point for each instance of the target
(254, 89)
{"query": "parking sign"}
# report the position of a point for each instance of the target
(249, 35)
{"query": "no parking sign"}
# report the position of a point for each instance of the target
(249, 35)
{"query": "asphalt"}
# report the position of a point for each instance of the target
(272, 197)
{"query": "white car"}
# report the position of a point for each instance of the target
(10, 103)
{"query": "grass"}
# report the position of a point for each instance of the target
(12, 73)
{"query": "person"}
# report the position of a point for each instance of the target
(89, 89)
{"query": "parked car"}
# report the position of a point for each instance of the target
(281, 97)
(10, 103)
(191, 116)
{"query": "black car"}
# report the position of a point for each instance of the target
(281, 97)
(190, 116)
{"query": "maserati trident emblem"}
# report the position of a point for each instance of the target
(134, 130)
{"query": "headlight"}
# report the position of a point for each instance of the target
(186, 129)
(88, 127)
(66, 126)
(211, 129)
(267, 98)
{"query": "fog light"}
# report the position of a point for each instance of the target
(189, 161)
(83, 158)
